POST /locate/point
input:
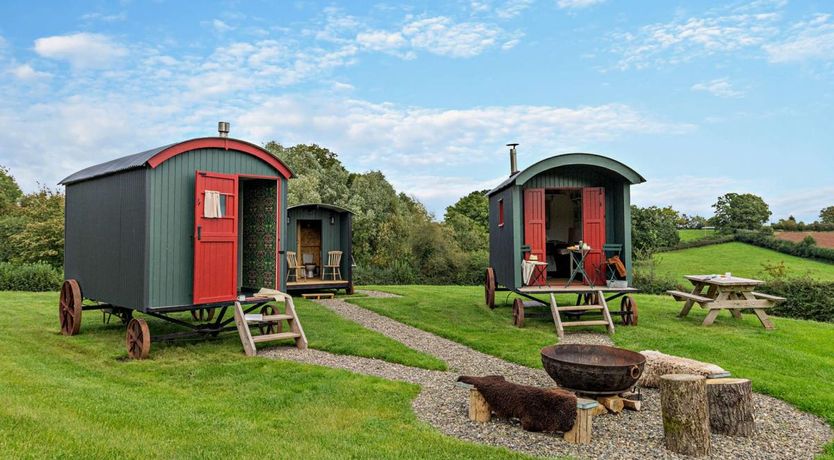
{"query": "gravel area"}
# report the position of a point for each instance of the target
(378, 294)
(782, 431)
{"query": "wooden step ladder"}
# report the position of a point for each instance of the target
(243, 321)
(602, 306)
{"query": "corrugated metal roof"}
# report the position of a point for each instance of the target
(137, 160)
(321, 205)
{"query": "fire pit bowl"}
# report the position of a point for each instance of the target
(593, 369)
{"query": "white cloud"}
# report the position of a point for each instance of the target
(577, 3)
(720, 87)
(807, 40)
(102, 17)
(440, 35)
(687, 194)
(380, 40)
(718, 31)
(512, 8)
(25, 72)
(220, 26)
(81, 50)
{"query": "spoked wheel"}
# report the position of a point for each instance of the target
(590, 298)
(138, 339)
(202, 314)
(628, 308)
(489, 287)
(69, 308)
(518, 313)
(272, 327)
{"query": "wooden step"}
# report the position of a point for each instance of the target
(273, 337)
(580, 308)
(319, 295)
(599, 322)
(266, 318)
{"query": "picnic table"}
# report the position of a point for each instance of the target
(726, 293)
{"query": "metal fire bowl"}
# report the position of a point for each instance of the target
(593, 369)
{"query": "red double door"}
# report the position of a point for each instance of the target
(593, 228)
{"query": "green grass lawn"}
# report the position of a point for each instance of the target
(738, 258)
(78, 397)
(692, 234)
(794, 362)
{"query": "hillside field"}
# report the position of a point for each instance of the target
(740, 259)
(692, 234)
(823, 239)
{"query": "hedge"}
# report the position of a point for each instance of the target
(807, 299)
(701, 242)
(809, 251)
(29, 277)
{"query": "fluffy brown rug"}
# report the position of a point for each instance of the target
(538, 409)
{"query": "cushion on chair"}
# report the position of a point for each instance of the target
(618, 266)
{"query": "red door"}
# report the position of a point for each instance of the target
(535, 231)
(215, 240)
(593, 231)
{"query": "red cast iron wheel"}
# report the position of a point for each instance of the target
(518, 313)
(69, 308)
(628, 307)
(138, 339)
(489, 288)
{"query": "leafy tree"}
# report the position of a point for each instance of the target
(694, 222)
(827, 215)
(9, 191)
(652, 228)
(788, 224)
(735, 211)
(41, 238)
(475, 206)
(320, 176)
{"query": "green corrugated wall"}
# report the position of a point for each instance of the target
(331, 235)
(171, 218)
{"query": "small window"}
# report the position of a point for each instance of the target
(214, 205)
(501, 212)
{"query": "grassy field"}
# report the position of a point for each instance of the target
(77, 397)
(692, 234)
(795, 362)
(738, 258)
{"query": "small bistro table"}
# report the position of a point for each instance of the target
(726, 293)
(577, 266)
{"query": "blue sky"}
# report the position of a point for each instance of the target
(701, 98)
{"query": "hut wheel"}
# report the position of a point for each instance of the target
(489, 288)
(202, 314)
(628, 309)
(69, 308)
(271, 327)
(138, 339)
(518, 313)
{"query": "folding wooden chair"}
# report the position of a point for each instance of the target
(334, 264)
(294, 270)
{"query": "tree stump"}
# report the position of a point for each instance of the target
(683, 399)
(479, 410)
(731, 407)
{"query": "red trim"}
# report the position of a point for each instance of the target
(220, 143)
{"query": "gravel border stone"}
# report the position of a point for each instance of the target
(782, 431)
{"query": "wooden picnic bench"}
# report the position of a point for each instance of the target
(726, 293)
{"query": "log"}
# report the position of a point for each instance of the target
(479, 410)
(614, 404)
(683, 400)
(731, 407)
(582, 430)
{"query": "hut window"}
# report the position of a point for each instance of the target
(501, 212)
(214, 205)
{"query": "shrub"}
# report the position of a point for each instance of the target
(29, 277)
(708, 241)
(649, 281)
(803, 227)
(806, 298)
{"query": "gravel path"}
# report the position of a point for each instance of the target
(782, 431)
(378, 294)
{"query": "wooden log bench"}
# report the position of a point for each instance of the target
(479, 411)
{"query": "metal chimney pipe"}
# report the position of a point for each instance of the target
(223, 128)
(513, 159)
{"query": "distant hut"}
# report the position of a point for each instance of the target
(318, 234)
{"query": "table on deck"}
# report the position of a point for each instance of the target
(726, 293)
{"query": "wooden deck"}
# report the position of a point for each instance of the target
(313, 284)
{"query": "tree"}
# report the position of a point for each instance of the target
(694, 221)
(653, 228)
(735, 211)
(41, 238)
(9, 191)
(827, 215)
(320, 176)
(475, 206)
